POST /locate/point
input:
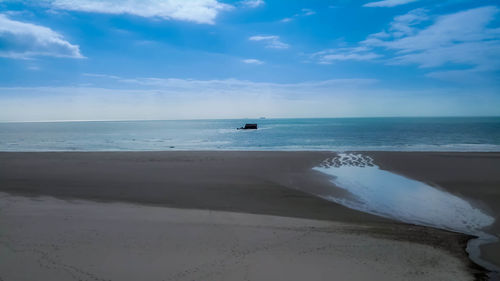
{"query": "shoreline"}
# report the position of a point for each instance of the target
(260, 149)
(268, 183)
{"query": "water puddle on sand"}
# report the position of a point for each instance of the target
(386, 194)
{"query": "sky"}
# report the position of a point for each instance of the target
(208, 59)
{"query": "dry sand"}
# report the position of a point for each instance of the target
(51, 239)
(165, 237)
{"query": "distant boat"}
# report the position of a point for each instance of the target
(262, 118)
(249, 127)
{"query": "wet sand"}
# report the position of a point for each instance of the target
(472, 175)
(249, 182)
(261, 184)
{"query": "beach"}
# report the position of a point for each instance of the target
(475, 176)
(225, 215)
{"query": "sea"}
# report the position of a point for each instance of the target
(332, 134)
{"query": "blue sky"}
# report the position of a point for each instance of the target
(181, 59)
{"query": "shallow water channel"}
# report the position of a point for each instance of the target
(390, 195)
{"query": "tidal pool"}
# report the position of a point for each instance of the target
(386, 194)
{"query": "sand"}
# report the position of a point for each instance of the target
(50, 239)
(249, 182)
(475, 176)
(258, 189)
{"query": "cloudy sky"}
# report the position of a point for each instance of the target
(184, 59)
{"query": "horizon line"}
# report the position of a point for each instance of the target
(253, 118)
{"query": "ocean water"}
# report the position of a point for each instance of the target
(337, 134)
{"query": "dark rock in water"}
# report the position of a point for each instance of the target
(249, 127)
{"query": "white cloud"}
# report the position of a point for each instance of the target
(104, 76)
(344, 54)
(26, 40)
(199, 11)
(307, 12)
(388, 3)
(303, 13)
(271, 41)
(229, 85)
(463, 38)
(253, 3)
(253, 61)
(404, 25)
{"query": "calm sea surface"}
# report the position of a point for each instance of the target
(338, 134)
